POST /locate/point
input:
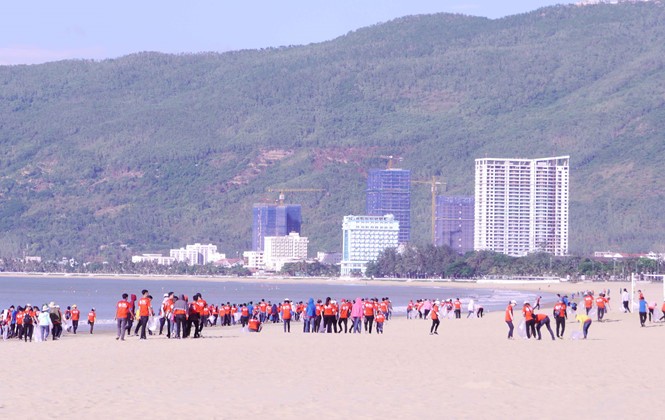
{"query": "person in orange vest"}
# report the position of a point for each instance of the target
(409, 309)
(509, 318)
(179, 316)
(542, 319)
(380, 319)
(588, 302)
(122, 314)
(529, 320)
(560, 315)
(662, 318)
(165, 314)
(329, 316)
(244, 315)
(145, 311)
(344, 311)
(28, 323)
(368, 310)
(76, 315)
(286, 315)
(254, 325)
(600, 305)
(434, 314)
(458, 308)
(92, 317)
(200, 307)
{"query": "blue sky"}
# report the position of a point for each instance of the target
(33, 31)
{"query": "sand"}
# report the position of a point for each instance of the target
(470, 370)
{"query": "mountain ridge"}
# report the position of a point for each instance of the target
(151, 151)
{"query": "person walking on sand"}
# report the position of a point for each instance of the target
(380, 319)
(537, 305)
(588, 302)
(601, 301)
(470, 308)
(585, 322)
(434, 314)
(542, 319)
(44, 321)
(643, 310)
(663, 311)
(179, 316)
(509, 318)
(369, 311)
(76, 316)
(122, 315)
(92, 317)
(625, 298)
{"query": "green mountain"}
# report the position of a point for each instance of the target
(151, 151)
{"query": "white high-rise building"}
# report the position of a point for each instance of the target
(522, 205)
(197, 254)
(364, 238)
(279, 250)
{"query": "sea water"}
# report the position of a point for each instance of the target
(103, 293)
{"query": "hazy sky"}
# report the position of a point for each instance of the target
(34, 31)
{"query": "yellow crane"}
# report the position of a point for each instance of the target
(433, 183)
(283, 190)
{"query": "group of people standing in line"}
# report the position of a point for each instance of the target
(20, 322)
(182, 317)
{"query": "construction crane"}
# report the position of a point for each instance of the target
(433, 183)
(391, 159)
(283, 190)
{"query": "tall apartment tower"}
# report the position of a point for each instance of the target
(274, 220)
(454, 223)
(389, 192)
(522, 205)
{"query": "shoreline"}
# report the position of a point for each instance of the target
(517, 285)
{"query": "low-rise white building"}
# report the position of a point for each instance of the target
(153, 258)
(254, 260)
(364, 238)
(279, 250)
(197, 254)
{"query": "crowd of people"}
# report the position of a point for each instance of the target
(178, 316)
(27, 322)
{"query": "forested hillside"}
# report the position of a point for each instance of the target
(152, 151)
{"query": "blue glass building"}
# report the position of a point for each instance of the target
(454, 222)
(274, 220)
(389, 192)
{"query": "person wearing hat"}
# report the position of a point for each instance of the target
(509, 318)
(76, 315)
(56, 320)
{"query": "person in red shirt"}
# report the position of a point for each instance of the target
(122, 314)
(600, 306)
(201, 305)
(329, 316)
(286, 315)
(509, 318)
(145, 311)
(76, 315)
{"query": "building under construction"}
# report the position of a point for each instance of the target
(454, 222)
(274, 220)
(389, 192)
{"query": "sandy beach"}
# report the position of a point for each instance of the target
(470, 370)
